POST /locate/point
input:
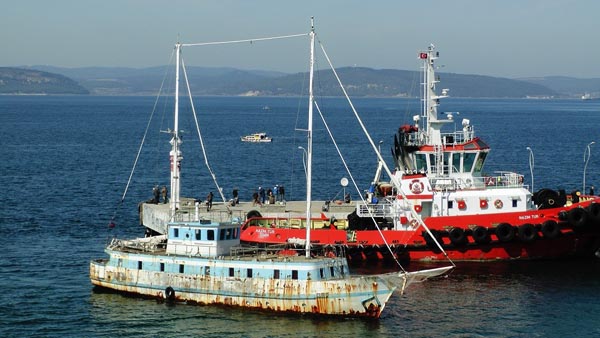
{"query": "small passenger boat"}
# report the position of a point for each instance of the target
(256, 138)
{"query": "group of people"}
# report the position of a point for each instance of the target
(269, 196)
(260, 197)
(157, 193)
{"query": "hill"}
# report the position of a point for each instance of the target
(569, 86)
(358, 81)
(29, 81)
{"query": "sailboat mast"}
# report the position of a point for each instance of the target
(175, 155)
(309, 137)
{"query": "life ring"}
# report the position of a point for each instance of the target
(578, 218)
(505, 232)
(481, 235)
(418, 208)
(462, 205)
(527, 233)
(498, 204)
(550, 229)
(414, 223)
(169, 294)
(457, 236)
(483, 204)
(417, 187)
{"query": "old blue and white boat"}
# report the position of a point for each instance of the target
(201, 261)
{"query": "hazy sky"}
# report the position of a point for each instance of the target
(509, 38)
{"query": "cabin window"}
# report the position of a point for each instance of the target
(210, 235)
(181, 268)
(222, 234)
(139, 265)
(322, 273)
(231, 272)
(235, 233)
(479, 163)
(342, 270)
(468, 161)
(446, 164)
(198, 234)
(228, 235)
(514, 203)
(450, 204)
(249, 273)
(294, 274)
(456, 162)
(421, 162)
(175, 232)
(275, 274)
(207, 270)
(332, 271)
(162, 267)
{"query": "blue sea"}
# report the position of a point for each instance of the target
(65, 162)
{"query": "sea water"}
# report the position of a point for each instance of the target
(65, 163)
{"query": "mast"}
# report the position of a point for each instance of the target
(175, 154)
(309, 136)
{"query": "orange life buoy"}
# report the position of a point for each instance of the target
(498, 204)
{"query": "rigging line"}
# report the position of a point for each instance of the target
(240, 41)
(387, 170)
(355, 184)
(137, 157)
(212, 174)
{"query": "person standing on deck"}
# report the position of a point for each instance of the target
(209, 199)
(282, 193)
(164, 193)
(261, 194)
(155, 194)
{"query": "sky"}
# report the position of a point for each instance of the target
(505, 38)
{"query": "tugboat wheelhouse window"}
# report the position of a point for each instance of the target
(249, 273)
(421, 162)
(468, 161)
(175, 232)
(139, 265)
(162, 267)
(332, 271)
(294, 274)
(231, 272)
(450, 204)
(210, 235)
(198, 234)
(181, 268)
(275, 274)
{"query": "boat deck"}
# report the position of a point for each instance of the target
(155, 216)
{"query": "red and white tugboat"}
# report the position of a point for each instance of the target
(438, 182)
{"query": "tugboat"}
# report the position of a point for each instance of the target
(438, 184)
(202, 262)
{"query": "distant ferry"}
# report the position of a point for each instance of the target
(586, 96)
(256, 137)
